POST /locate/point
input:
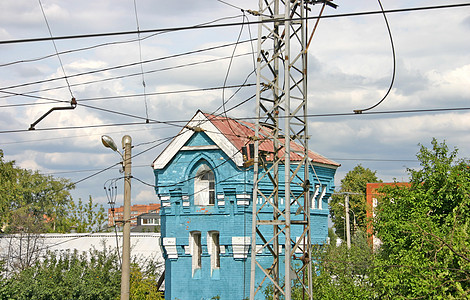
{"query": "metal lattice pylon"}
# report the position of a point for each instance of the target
(280, 128)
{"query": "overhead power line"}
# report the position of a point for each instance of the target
(99, 45)
(360, 111)
(55, 47)
(51, 100)
(192, 27)
(28, 93)
(126, 65)
(406, 111)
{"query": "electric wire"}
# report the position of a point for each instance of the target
(247, 77)
(229, 4)
(147, 120)
(102, 45)
(80, 136)
(228, 72)
(372, 113)
(111, 193)
(27, 94)
(141, 64)
(55, 47)
(360, 111)
(239, 86)
(192, 27)
(52, 100)
(178, 55)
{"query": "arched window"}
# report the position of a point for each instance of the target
(204, 186)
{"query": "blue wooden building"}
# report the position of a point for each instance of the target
(205, 187)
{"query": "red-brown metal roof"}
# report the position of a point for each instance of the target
(240, 134)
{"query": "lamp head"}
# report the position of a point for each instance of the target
(109, 143)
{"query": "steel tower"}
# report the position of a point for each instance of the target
(282, 107)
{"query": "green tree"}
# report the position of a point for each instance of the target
(28, 197)
(343, 273)
(424, 229)
(143, 284)
(42, 197)
(355, 181)
(339, 273)
(74, 275)
(84, 217)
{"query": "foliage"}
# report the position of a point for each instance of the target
(355, 181)
(144, 278)
(343, 273)
(67, 275)
(73, 275)
(424, 229)
(85, 217)
(44, 200)
(28, 192)
(339, 272)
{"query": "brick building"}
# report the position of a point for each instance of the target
(136, 210)
(205, 186)
(372, 198)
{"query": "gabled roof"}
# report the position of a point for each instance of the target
(230, 136)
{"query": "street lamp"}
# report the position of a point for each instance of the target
(126, 231)
(354, 223)
(108, 142)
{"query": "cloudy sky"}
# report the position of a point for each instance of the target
(350, 67)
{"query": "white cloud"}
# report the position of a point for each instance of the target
(350, 67)
(145, 196)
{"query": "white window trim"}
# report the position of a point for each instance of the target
(313, 199)
(204, 194)
(320, 199)
(195, 249)
(213, 246)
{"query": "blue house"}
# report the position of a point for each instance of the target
(205, 186)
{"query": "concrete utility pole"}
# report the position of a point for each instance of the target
(348, 226)
(346, 212)
(126, 232)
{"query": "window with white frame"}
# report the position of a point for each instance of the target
(214, 249)
(322, 195)
(316, 198)
(204, 186)
(313, 197)
(195, 249)
(151, 221)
